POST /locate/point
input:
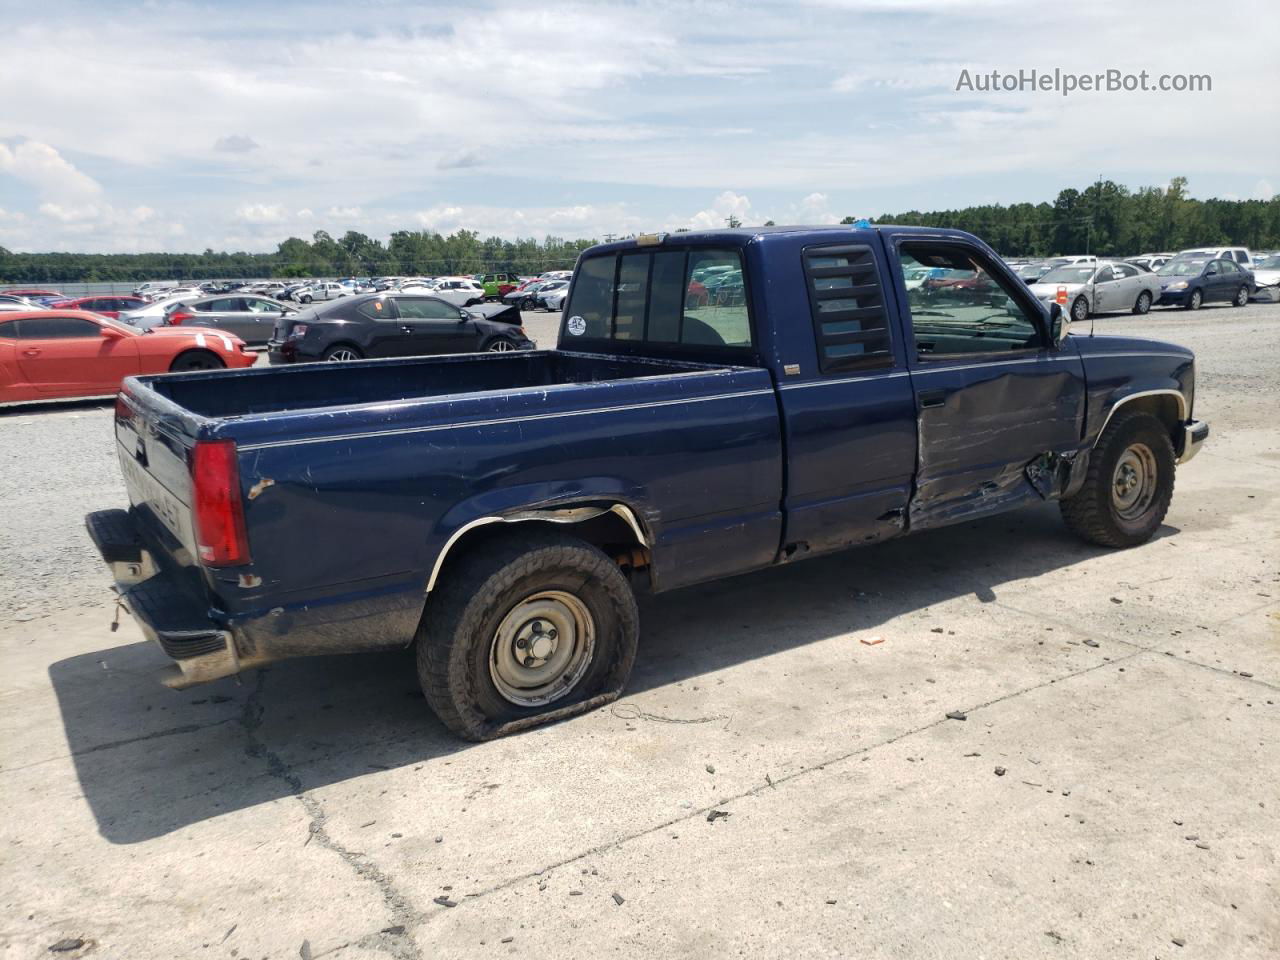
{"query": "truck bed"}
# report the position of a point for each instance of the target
(317, 386)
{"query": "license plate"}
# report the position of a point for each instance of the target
(145, 489)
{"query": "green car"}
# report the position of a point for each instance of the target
(496, 284)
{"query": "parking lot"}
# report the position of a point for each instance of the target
(781, 777)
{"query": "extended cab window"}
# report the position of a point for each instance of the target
(965, 308)
(847, 307)
(694, 297)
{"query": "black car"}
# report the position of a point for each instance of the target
(394, 325)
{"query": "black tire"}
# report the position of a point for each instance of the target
(526, 305)
(1094, 514)
(1080, 309)
(339, 353)
(1194, 299)
(1143, 304)
(1242, 297)
(307, 298)
(190, 360)
(458, 640)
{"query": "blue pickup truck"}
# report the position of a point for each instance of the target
(499, 511)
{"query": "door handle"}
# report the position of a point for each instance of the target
(31, 353)
(404, 329)
(932, 398)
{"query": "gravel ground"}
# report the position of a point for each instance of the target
(57, 461)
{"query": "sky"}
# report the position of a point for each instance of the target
(180, 126)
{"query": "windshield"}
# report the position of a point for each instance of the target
(1268, 263)
(1073, 274)
(1178, 267)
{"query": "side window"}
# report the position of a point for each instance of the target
(259, 306)
(1125, 271)
(966, 310)
(379, 309)
(1240, 257)
(58, 328)
(425, 308)
(9, 330)
(1103, 275)
(847, 306)
(591, 312)
(1229, 268)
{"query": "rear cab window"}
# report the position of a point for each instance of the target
(689, 302)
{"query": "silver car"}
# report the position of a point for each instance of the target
(1103, 286)
(250, 318)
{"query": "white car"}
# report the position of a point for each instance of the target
(1151, 261)
(1266, 277)
(459, 291)
(1240, 255)
(153, 289)
(1107, 286)
(153, 314)
(326, 290)
(554, 301)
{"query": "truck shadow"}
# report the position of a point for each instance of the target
(151, 761)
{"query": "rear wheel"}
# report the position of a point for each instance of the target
(522, 627)
(1080, 310)
(501, 345)
(196, 360)
(1143, 303)
(1194, 301)
(1242, 297)
(1128, 486)
(342, 352)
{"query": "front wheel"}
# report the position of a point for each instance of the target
(307, 298)
(1194, 300)
(196, 360)
(1080, 310)
(523, 627)
(1143, 304)
(1242, 297)
(1128, 486)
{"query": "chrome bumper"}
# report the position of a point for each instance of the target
(1195, 433)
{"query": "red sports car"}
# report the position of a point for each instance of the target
(107, 306)
(72, 353)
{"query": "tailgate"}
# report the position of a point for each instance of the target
(153, 444)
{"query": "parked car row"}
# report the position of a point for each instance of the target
(1087, 285)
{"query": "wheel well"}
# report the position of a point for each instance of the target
(196, 351)
(1165, 407)
(606, 527)
(345, 343)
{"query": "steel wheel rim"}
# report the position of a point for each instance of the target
(1133, 482)
(501, 346)
(542, 648)
(339, 356)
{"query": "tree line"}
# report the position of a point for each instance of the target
(1108, 219)
(1105, 218)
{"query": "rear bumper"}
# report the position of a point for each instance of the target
(167, 604)
(1195, 433)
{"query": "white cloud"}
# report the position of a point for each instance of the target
(41, 166)
(1262, 190)
(261, 213)
(344, 213)
(727, 204)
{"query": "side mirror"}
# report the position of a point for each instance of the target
(111, 333)
(463, 316)
(1059, 325)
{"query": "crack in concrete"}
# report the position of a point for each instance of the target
(773, 783)
(399, 945)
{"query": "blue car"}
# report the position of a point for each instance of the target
(1188, 282)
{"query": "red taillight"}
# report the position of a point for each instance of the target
(178, 318)
(219, 511)
(123, 410)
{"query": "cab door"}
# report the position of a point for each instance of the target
(1104, 289)
(993, 395)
